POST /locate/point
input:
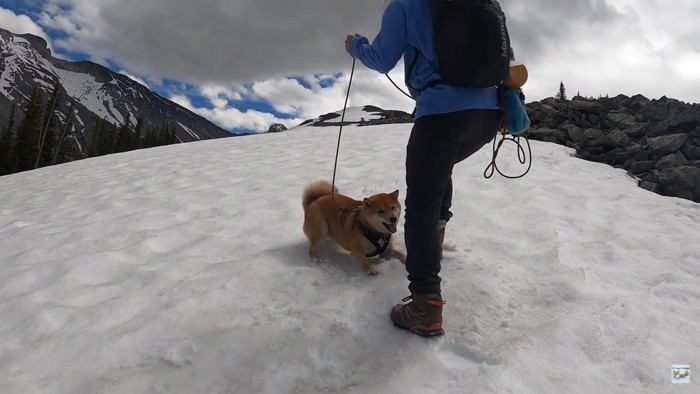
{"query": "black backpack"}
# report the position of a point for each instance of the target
(471, 42)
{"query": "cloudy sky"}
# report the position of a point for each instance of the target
(245, 64)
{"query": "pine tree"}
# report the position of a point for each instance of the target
(561, 95)
(173, 136)
(103, 139)
(47, 138)
(7, 139)
(124, 138)
(108, 138)
(28, 132)
(138, 134)
(151, 138)
(94, 147)
(69, 151)
(64, 150)
(164, 136)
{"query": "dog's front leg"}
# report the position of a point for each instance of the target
(392, 252)
(361, 260)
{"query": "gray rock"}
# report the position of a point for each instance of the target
(276, 128)
(617, 157)
(633, 148)
(670, 161)
(620, 120)
(656, 110)
(695, 132)
(548, 110)
(636, 130)
(667, 144)
(616, 139)
(651, 176)
(680, 178)
(552, 102)
(691, 150)
(642, 166)
(635, 102)
(678, 119)
(586, 106)
(652, 187)
(642, 155)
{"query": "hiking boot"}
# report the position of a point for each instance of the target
(422, 315)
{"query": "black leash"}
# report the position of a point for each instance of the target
(493, 167)
(397, 87)
(340, 133)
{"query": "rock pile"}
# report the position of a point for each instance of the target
(657, 141)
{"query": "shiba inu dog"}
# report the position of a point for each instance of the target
(364, 228)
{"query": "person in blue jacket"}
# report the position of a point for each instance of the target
(451, 124)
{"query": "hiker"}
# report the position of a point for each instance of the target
(451, 124)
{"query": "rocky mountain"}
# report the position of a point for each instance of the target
(657, 141)
(26, 62)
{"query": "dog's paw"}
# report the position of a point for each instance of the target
(401, 256)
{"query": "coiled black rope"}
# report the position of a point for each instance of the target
(522, 157)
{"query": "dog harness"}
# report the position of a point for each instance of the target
(380, 241)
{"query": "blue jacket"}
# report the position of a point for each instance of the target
(407, 25)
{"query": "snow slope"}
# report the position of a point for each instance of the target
(183, 269)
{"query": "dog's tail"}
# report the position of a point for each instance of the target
(316, 190)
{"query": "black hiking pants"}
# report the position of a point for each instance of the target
(436, 144)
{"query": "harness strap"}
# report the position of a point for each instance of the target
(380, 241)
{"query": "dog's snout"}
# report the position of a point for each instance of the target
(393, 219)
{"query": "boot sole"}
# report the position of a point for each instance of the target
(423, 333)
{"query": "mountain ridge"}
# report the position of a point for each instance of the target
(26, 62)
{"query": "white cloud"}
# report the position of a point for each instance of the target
(135, 78)
(596, 47)
(21, 24)
(232, 118)
(368, 87)
(210, 41)
(638, 46)
(221, 95)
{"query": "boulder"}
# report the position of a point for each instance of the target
(661, 146)
(276, 128)
(670, 161)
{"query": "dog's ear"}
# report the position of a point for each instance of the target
(367, 202)
(394, 194)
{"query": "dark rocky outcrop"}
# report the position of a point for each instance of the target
(386, 117)
(276, 128)
(657, 141)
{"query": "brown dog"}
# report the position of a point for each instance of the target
(362, 227)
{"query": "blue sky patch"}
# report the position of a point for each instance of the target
(27, 7)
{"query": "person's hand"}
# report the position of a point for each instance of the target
(348, 40)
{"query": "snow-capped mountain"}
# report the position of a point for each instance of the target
(26, 61)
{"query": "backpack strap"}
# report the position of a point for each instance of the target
(410, 70)
(411, 67)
